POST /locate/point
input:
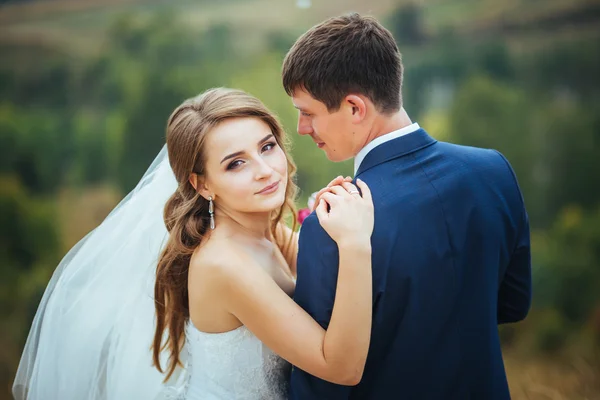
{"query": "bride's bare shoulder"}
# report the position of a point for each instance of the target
(220, 259)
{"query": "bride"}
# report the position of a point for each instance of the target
(197, 304)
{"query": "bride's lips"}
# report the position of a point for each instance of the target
(270, 189)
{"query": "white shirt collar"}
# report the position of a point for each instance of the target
(380, 140)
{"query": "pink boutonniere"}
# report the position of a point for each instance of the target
(305, 212)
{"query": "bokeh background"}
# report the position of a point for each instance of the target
(86, 87)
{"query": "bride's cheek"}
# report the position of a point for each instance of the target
(281, 165)
(238, 185)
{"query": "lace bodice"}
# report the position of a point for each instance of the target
(233, 365)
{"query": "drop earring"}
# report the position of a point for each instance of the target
(211, 212)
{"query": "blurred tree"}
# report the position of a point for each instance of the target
(406, 24)
(568, 259)
(91, 163)
(36, 146)
(25, 84)
(281, 41)
(564, 68)
(493, 59)
(28, 244)
(568, 137)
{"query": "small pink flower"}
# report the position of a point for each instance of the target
(305, 212)
(302, 214)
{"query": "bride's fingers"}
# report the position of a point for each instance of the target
(321, 210)
(340, 191)
(319, 194)
(336, 181)
(330, 198)
(350, 188)
(339, 180)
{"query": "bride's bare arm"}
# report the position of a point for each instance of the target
(339, 353)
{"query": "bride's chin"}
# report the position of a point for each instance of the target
(274, 205)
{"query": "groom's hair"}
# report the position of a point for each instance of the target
(344, 55)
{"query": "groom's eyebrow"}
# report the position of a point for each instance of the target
(301, 109)
(239, 153)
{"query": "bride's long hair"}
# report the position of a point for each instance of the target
(186, 212)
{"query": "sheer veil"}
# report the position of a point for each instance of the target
(91, 335)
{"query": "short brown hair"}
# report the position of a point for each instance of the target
(343, 55)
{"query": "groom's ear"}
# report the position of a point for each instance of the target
(356, 106)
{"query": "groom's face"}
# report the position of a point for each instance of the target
(329, 131)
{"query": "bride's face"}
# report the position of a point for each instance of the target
(246, 170)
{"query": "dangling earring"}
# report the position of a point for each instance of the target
(211, 212)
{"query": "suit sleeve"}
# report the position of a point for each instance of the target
(317, 266)
(514, 295)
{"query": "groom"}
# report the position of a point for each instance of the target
(450, 248)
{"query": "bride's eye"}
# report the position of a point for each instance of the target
(269, 146)
(234, 164)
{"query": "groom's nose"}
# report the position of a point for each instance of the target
(304, 126)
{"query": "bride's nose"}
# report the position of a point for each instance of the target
(263, 169)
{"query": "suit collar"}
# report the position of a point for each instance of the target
(381, 140)
(395, 148)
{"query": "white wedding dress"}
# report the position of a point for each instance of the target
(233, 365)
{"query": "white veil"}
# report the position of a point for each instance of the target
(91, 335)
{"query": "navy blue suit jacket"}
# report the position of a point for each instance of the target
(451, 260)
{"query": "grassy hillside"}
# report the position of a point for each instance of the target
(80, 25)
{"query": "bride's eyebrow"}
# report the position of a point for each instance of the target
(269, 136)
(239, 153)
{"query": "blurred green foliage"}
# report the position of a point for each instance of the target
(99, 119)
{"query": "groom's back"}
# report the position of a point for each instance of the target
(451, 241)
(449, 223)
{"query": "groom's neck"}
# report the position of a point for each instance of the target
(384, 124)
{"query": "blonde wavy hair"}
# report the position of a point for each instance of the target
(186, 212)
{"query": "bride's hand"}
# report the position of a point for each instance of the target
(350, 218)
(336, 181)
